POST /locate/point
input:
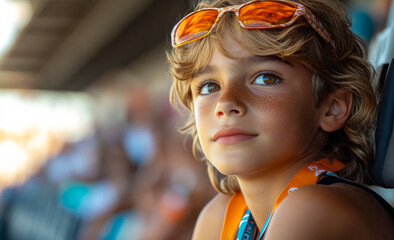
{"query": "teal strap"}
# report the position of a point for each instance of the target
(247, 227)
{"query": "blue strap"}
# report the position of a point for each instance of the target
(247, 226)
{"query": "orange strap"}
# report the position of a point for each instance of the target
(235, 210)
(307, 175)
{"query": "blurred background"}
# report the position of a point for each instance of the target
(89, 147)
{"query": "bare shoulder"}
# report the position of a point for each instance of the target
(210, 221)
(337, 211)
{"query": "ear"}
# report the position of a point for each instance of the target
(336, 110)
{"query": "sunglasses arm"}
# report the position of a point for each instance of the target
(312, 20)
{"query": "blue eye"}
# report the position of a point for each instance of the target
(267, 79)
(208, 87)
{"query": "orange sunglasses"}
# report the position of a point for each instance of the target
(256, 14)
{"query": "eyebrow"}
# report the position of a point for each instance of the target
(204, 70)
(245, 61)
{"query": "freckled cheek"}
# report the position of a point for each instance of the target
(280, 112)
(278, 101)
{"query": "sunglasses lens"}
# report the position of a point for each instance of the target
(266, 14)
(195, 26)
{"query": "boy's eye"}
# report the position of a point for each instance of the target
(208, 87)
(266, 79)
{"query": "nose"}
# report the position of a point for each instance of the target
(230, 103)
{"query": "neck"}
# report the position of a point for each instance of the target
(261, 190)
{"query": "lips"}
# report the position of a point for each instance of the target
(232, 136)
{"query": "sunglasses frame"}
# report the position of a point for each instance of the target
(301, 10)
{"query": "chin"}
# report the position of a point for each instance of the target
(233, 167)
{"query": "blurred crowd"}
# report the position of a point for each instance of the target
(136, 180)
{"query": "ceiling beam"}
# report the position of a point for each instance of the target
(96, 29)
(151, 28)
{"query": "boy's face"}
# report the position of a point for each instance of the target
(253, 113)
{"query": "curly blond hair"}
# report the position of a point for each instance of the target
(346, 68)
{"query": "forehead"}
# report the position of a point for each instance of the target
(229, 44)
(229, 50)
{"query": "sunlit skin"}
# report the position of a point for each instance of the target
(263, 123)
(256, 119)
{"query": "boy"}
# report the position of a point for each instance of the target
(279, 93)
